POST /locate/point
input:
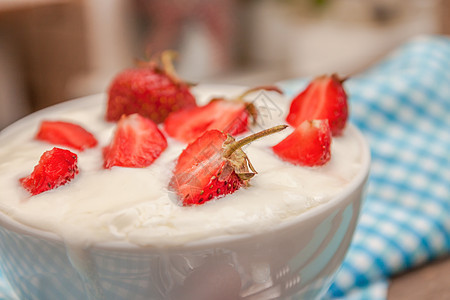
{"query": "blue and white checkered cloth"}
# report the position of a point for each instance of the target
(403, 108)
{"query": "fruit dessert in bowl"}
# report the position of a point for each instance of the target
(219, 200)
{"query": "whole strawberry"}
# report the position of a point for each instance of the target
(152, 90)
(230, 116)
(213, 166)
(56, 167)
(323, 98)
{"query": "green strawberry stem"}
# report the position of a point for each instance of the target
(230, 148)
(249, 106)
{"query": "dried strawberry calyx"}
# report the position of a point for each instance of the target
(250, 106)
(167, 58)
(269, 88)
(336, 77)
(163, 63)
(237, 160)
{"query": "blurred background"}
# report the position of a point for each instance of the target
(55, 50)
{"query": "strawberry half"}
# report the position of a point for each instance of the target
(309, 144)
(323, 98)
(150, 90)
(229, 116)
(213, 166)
(56, 167)
(137, 142)
(66, 134)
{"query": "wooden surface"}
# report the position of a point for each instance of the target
(431, 282)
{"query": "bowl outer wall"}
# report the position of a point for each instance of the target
(310, 246)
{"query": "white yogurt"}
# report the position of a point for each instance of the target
(134, 205)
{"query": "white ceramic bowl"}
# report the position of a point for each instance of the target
(295, 260)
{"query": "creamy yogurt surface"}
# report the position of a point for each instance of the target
(135, 206)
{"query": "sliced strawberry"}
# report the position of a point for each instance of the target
(213, 166)
(309, 144)
(187, 125)
(229, 116)
(323, 98)
(137, 142)
(56, 167)
(66, 134)
(151, 90)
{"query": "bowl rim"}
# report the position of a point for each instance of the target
(358, 181)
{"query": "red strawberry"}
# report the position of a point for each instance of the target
(309, 144)
(229, 116)
(186, 125)
(212, 166)
(56, 167)
(323, 98)
(137, 142)
(150, 90)
(66, 134)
